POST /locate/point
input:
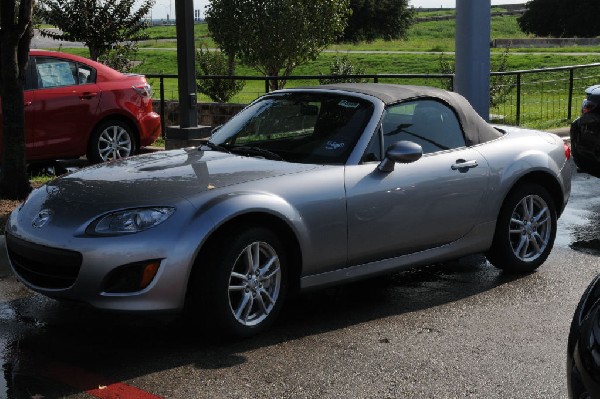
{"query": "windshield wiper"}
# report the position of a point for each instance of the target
(214, 147)
(246, 150)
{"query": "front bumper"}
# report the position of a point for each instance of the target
(63, 265)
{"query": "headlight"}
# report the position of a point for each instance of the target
(130, 221)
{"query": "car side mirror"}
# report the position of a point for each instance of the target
(400, 152)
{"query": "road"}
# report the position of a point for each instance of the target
(39, 42)
(455, 330)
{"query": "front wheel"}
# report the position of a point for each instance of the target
(525, 230)
(111, 140)
(244, 283)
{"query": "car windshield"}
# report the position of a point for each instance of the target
(297, 127)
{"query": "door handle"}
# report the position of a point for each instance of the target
(88, 95)
(463, 165)
(27, 103)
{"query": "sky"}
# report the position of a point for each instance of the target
(162, 8)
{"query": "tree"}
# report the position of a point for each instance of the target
(378, 19)
(275, 36)
(216, 63)
(15, 36)
(121, 57)
(561, 18)
(99, 24)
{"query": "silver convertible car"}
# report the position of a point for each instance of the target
(304, 188)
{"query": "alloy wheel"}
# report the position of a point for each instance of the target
(114, 143)
(254, 283)
(530, 228)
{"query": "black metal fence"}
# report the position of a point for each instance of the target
(541, 97)
(544, 97)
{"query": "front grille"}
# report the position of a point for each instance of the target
(43, 266)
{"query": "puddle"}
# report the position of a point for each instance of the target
(579, 225)
(590, 247)
(7, 312)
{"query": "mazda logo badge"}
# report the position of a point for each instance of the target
(42, 218)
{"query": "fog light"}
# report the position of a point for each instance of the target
(131, 278)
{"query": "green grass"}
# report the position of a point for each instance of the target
(169, 32)
(538, 110)
(38, 180)
(424, 36)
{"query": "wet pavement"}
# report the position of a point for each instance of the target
(460, 329)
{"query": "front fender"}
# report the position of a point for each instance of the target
(312, 207)
(227, 207)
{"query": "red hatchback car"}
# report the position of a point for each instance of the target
(75, 106)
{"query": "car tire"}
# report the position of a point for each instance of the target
(112, 139)
(525, 230)
(242, 287)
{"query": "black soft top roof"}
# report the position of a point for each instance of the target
(476, 129)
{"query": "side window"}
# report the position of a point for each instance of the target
(55, 72)
(431, 124)
(85, 74)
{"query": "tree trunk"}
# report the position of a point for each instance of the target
(275, 84)
(94, 52)
(14, 50)
(231, 64)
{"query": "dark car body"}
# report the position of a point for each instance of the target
(583, 353)
(585, 132)
(75, 106)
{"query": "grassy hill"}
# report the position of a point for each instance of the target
(419, 54)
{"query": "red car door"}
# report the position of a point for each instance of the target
(65, 107)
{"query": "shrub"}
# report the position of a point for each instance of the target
(343, 66)
(121, 57)
(216, 63)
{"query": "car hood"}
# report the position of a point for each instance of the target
(165, 176)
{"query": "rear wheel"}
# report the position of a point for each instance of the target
(244, 283)
(525, 230)
(111, 140)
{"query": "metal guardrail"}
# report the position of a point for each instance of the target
(530, 96)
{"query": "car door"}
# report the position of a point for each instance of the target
(65, 106)
(421, 205)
